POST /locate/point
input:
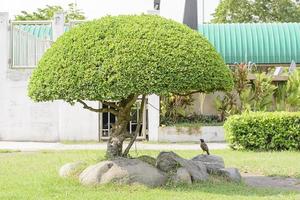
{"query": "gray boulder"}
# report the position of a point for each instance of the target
(170, 162)
(231, 174)
(182, 176)
(211, 162)
(123, 171)
(71, 169)
(92, 174)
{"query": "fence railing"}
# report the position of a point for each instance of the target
(29, 41)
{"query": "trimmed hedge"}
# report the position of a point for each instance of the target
(261, 131)
(117, 56)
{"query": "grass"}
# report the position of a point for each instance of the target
(33, 175)
(8, 151)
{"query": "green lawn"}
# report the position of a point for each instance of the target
(34, 176)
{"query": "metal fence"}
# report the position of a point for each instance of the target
(29, 41)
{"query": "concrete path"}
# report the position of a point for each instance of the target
(272, 182)
(36, 146)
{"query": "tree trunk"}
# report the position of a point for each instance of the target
(119, 130)
(117, 136)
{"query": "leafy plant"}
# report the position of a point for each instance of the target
(246, 96)
(247, 11)
(226, 105)
(47, 13)
(116, 59)
(259, 97)
(293, 91)
(229, 102)
(174, 107)
(264, 131)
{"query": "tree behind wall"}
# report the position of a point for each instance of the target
(117, 59)
(47, 13)
(245, 11)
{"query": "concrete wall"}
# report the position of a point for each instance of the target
(191, 134)
(23, 120)
(208, 107)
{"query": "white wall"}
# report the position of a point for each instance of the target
(76, 123)
(21, 119)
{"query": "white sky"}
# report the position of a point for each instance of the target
(97, 8)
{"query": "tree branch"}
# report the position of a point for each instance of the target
(85, 106)
(111, 104)
(138, 128)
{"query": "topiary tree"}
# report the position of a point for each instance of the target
(117, 59)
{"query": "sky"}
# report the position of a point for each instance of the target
(98, 8)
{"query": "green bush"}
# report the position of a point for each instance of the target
(264, 131)
(117, 56)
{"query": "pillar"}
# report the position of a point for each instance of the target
(58, 25)
(153, 117)
(4, 43)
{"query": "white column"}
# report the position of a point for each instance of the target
(153, 117)
(75, 123)
(4, 42)
(58, 24)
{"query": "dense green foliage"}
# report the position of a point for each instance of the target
(114, 57)
(264, 131)
(243, 11)
(173, 107)
(260, 94)
(287, 95)
(73, 13)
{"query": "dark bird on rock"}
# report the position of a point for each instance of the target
(204, 146)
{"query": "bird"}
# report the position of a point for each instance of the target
(204, 146)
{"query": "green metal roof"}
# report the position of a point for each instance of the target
(43, 31)
(262, 43)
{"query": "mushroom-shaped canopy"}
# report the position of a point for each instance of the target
(117, 56)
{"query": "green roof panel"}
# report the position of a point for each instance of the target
(262, 43)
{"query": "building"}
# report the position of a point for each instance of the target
(23, 43)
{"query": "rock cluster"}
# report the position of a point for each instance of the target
(168, 166)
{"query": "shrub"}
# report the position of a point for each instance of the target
(264, 131)
(116, 59)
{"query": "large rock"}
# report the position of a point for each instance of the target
(170, 162)
(211, 162)
(71, 169)
(147, 159)
(231, 174)
(182, 176)
(92, 174)
(122, 170)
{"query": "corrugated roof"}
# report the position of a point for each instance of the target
(262, 43)
(41, 31)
